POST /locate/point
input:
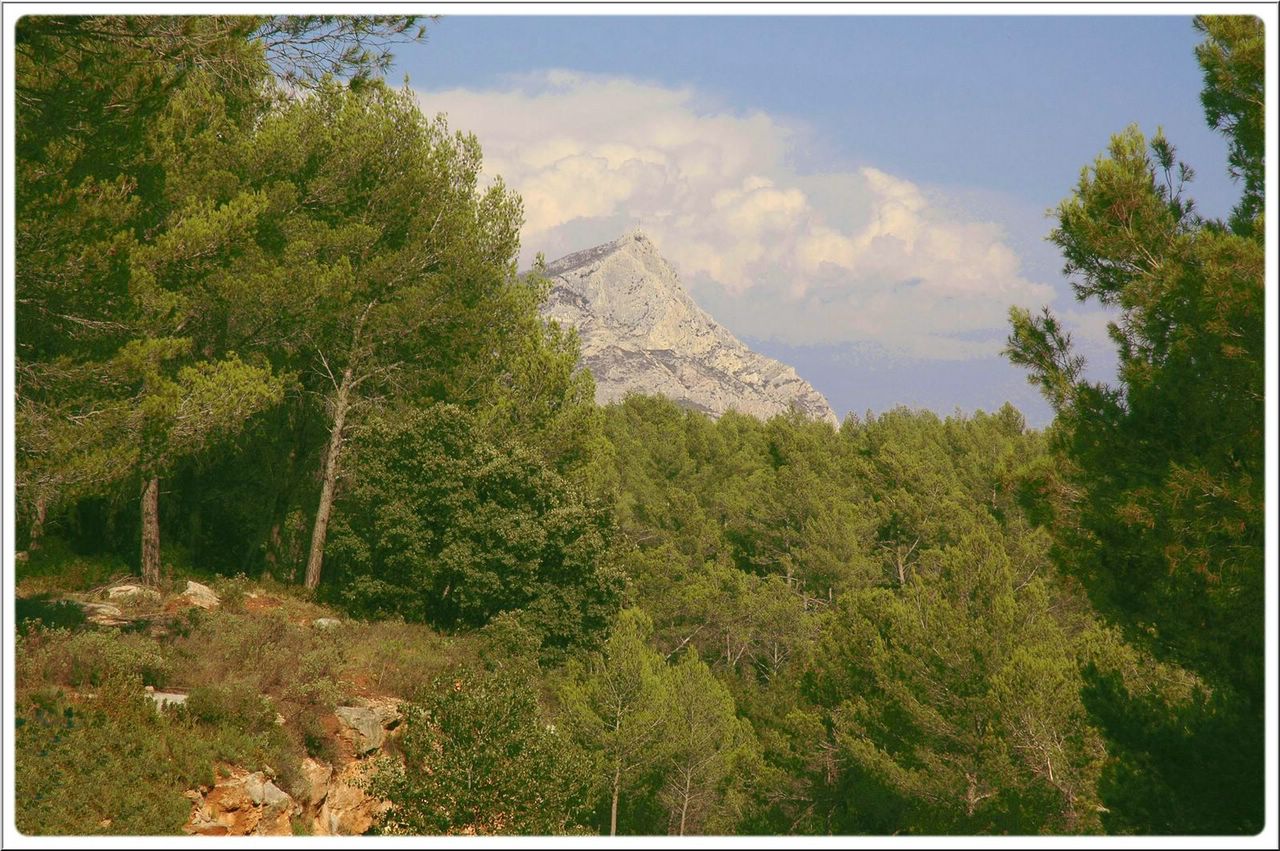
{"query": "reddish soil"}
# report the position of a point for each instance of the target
(261, 603)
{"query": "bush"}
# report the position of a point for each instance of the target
(40, 611)
(56, 568)
(237, 704)
(60, 657)
(479, 759)
(112, 764)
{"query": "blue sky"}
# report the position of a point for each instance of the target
(860, 196)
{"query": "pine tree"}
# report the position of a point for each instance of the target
(615, 705)
(1157, 498)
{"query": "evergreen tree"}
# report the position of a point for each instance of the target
(616, 706)
(708, 752)
(1157, 497)
(401, 268)
(955, 704)
(130, 199)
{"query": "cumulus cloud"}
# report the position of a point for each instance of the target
(855, 256)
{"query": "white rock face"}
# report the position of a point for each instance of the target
(642, 332)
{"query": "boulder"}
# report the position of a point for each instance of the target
(103, 614)
(243, 804)
(133, 593)
(199, 595)
(326, 623)
(364, 726)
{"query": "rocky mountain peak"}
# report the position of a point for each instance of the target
(642, 332)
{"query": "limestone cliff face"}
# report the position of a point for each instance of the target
(641, 332)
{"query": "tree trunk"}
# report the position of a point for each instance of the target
(613, 810)
(151, 531)
(321, 528)
(684, 806)
(37, 524)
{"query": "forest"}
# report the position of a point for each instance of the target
(272, 337)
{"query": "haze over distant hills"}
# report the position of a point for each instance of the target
(642, 332)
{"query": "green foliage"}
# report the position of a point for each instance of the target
(479, 759)
(708, 752)
(441, 525)
(1156, 491)
(1233, 59)
(241, 260)
(615, 707)
(303, 49)
(89, 658)
(109, 763)
(55, 566)
(236, 702)
(955, 705)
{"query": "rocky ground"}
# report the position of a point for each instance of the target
(331, 684)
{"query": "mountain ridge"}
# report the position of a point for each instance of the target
(641, 331)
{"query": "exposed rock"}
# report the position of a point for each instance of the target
(347, 810)
(642, 332)
(242, 805)
(367, 725)
(326, 623)
(104, 614)
(164, 699)
(316, 776)
(336, 803)
(133, 593)
(200, 595)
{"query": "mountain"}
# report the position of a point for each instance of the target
(641, 331)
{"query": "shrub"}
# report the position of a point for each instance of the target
(56, 568)
(111, 764)
(237, 704)
(90, 658)
(478, 758)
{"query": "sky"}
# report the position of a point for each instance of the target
(862, 197)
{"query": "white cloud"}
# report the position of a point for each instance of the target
(851, 256)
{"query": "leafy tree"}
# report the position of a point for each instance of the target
(441, 525)
(479, 759)
(1157, 495)
(401, 268)
(615, 705)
